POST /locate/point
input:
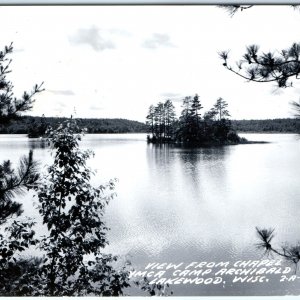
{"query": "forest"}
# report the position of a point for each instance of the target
(289, 125)
(36, 126)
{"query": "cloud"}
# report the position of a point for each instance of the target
(62, 92)
(92, 37)
(121, 32)
(158, 40)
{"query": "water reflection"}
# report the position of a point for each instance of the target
(38, 143)
(189, 167)
(184, 204)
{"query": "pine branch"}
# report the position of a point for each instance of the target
(11, 106)
(12, 182)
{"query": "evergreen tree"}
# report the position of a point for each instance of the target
(169, 119)
(15, 235)
(184, 132)
(186, 112)
(190, 126)
(195, 109)
(10, 106)
(150, 119)
(221, 109)
(159, 119)
(196, 119)
(222, 128)
(210, 115)
(13, 182)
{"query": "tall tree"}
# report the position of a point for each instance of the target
(159, 118)
(195, 110)
(210, 115)
(186, 111)
(150, 119)
(190, 129)
(221, 109)
(169, 118)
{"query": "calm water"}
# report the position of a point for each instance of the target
(183, 205)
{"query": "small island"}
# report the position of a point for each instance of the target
(191, 128)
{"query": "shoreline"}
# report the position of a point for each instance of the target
(238, 132)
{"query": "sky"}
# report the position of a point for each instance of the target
(115, 61)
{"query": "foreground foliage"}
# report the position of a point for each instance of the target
(73, 211)
(16, 233)
(11, 106)
(290, 253)
(72, 261)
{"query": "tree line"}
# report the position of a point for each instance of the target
(290, 125)
(193, 126)
(36, 126)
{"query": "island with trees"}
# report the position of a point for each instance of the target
(192, 127)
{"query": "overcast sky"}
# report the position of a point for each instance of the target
(115, 61)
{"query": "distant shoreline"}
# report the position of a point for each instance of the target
(118, 125)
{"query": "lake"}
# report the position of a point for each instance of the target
(185, 205)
